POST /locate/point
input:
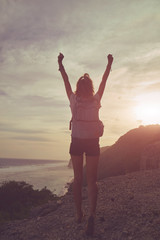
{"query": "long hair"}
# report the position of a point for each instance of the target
(84, 86)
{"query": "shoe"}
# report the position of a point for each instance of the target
(90, 226)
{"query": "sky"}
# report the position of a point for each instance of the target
(34, 109)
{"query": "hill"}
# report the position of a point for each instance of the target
(103, 149)
(128, 208)
(129, 153)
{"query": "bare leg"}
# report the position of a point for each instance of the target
(77, 162)
(92, 166)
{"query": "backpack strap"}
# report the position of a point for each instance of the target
(70, 123)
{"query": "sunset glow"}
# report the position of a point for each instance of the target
(148, 113)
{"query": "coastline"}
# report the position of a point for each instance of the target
(54, 175)
(128, 208)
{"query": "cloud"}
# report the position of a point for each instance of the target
(32, 139)
(25, 134)
(41, 101)
(33, 32)
(27, 28)
(153, 87)
(145, 63)
(3, 93)
(10, 127)
(18, 18)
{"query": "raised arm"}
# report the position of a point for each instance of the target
(105, 76)
(64, 75)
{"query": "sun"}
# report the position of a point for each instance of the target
(148, 113)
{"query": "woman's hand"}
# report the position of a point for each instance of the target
(60, 58)
(110, 59)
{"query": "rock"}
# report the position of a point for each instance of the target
(102, 219)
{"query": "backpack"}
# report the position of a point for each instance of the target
(85, 122)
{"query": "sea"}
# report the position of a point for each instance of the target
(55, 175)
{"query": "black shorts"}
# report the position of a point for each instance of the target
(88, 146)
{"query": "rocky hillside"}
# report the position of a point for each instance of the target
(150, 157)
(126, 154)
(128, 209)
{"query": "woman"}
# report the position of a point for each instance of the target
(85, 136)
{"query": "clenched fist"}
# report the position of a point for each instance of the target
(60, 58)
(110, 59)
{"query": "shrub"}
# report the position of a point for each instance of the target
(17, 198)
